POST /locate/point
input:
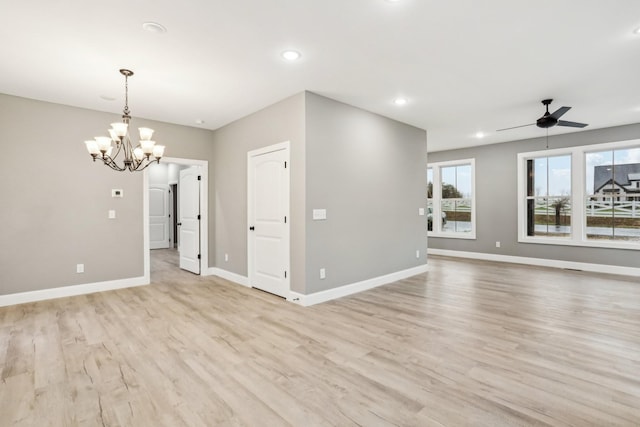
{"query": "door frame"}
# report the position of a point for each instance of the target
(204, 214)
(260, 151)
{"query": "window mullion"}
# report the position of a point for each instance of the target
(578, 196)
(436, 223)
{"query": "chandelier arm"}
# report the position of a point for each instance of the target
(109, 161)
(113, 165)
(149, 163)
(128, 150)
(115, 155)
(133, 166)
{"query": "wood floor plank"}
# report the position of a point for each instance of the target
(468, 343)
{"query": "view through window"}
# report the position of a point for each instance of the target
(450, 199)
(586, 195)
(549, 196)
(612, 207)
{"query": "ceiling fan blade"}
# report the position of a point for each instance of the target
(515, 127)
(571, 124)
(560, 112)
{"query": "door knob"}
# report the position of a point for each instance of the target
(252, 228)
(179, 223)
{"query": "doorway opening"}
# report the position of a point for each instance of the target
(164, 233)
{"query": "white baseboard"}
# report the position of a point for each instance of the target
(595, 268)
(69, 291)
(232, 277)
(353, 288)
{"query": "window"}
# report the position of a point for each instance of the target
(451, 199)
(549, 196)
(585, 196)
(612, 208)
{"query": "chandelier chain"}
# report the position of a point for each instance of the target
(126, 95)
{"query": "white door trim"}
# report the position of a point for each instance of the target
(204, 214)
(264, 150)
(287, 233)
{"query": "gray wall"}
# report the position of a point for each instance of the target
(369, 172)
(496, 199)
(283, 121)
(366, 170)
(54, 210)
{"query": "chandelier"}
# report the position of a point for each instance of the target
(108, 148)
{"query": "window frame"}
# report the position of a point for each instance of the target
(437, 200)
(578, 233)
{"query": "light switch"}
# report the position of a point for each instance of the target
(421, 211)
(112, 214)
(319, 214)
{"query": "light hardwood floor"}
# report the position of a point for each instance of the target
(468, 343)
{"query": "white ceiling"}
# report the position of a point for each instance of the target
(464, 65)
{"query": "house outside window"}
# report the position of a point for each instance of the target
(451, 199)
(612, 207)
(582, 196)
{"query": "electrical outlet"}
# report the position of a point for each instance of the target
(226, 257)
(112, 214)
(323, 274)
(418, 254)
(497, 244)
(79, 268)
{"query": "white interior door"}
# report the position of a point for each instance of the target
(159, 235)
(189, 221)
(268, 209)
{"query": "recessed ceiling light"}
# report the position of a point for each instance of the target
(291, 55)
(480, 135)
(199, 122)
(154, 27)
(637, 31)
(400, 101)
(393, 1)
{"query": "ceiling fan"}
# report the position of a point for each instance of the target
(551, 119)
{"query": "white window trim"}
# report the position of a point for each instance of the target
(437, 198)
(578, 196)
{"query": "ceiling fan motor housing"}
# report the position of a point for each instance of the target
(546, 121)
